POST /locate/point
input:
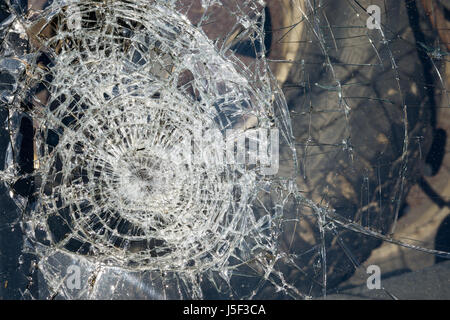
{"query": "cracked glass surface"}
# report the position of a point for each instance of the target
(123, 122)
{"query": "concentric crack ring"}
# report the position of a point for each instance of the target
(141, 117)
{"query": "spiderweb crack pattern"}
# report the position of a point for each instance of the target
(133, 108)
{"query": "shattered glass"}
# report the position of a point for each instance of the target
(213, 149)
